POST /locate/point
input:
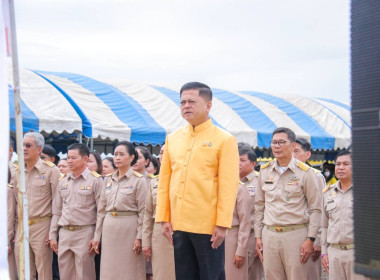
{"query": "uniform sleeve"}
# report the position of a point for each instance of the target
(324, 226)
(141, 193)
(148, 223)
(228, 182)
(57, 212)
(243, 206)
(259, 207)
(54, 179)
(313, 196)
(322, 184)
(163, 200)
(12, 209)
(100, 207)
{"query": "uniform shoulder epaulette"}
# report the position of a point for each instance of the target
(152, 176)
(257, 173)
(265, 165)
(303, 166)
(316, 171)
(109, 175)
(97, 175)
(62, 176)
(241, 183)
(11, 186)
(137, 174)
(49, 163)
(326, 189)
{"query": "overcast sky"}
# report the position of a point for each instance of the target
(285, 46)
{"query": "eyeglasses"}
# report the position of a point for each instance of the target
(28, 146)
(280, 143)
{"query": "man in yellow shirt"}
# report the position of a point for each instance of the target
(197, 188)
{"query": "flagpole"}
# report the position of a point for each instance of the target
(23, 236)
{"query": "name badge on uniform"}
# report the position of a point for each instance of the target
(128, 187)
(269, 180)
(87, 187)
(292, 183)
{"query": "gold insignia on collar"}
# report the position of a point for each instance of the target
(95, 174)
(265, 165)
(137, 174)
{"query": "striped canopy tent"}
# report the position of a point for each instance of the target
(65, 103)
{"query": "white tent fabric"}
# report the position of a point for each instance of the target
(67, 102)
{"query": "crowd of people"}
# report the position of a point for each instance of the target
(205, 213)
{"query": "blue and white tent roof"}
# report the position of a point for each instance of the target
(55, 102)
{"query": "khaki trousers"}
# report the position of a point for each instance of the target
(255, 267)
(341, 265)
(40, 255)
(282, 254)
(74, 260)
(231, 244)
(12, 264)
(315, 269)
(162, 256)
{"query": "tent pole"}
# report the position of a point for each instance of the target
(92, 144)
(24, 266)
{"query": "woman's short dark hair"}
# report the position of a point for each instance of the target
(130, 150)
(156, 165)
(99, 163)
(145, 152)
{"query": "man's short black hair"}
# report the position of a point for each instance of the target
(305, 145)
(82, 149)
(245, 149)
(49, 150)
(204, 90)
(288, 131)
(342, 153)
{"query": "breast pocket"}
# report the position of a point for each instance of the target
(84, 198)
(41, 187)
(65, 194)
(126, 191)
(154, 195)
(331, 208)
(269, 191)
(294, 190)
(252, 191)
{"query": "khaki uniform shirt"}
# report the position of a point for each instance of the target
(251, 182)
(321, 184)
(41, 183)
(242, 218)
(337, 217)
(12, 209)
(76, 203)
(284, 199)
(12, 203)
(126, 194)
(150, 213)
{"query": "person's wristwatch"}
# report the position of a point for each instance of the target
(312, 239)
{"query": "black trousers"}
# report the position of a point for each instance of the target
(195, 259)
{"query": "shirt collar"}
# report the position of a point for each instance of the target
(292, 165)
(201, 126)
(249, 177)
(115, 175)
(84, 174)
(38, 165)
(340, 189)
